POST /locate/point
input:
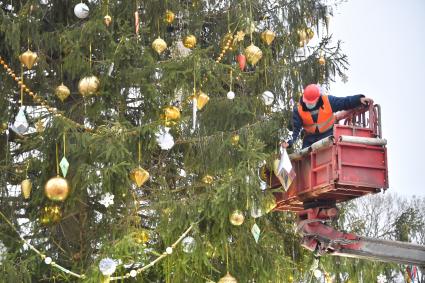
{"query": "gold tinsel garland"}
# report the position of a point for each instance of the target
(37, 98)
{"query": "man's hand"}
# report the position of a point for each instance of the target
(366, 100)
(284, 144)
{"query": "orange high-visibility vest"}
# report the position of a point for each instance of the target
(325, 118)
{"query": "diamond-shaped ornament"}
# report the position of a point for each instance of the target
(20, 126)
(64, 165)
(139, 176)
(255, 230)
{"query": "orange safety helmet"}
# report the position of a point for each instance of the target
(311, 94)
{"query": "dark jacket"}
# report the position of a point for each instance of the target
(337, 104)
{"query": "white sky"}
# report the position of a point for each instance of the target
(385, 44)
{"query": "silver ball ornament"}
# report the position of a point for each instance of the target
(81, 10)
(230, 95)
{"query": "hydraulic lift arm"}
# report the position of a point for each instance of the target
(324, 239)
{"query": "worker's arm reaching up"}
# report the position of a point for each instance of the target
(347, 103)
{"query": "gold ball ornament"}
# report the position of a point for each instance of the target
(201, 100)
(237, 218)
(171, 113)
(26, 187)
(189, 41)
(88, 85)
(207, 179)
(159, 45)
(268, 36)
(253, 54)
(169, 16)
(322, 60)
(139, 176)
(235, 139)
(227, 279)
(28, 58)
(62, 92)
(107, 20)
(57, 189)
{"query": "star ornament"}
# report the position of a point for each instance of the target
(240, 35)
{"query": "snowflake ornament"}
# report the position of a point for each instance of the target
(164, 138)
(107, 200)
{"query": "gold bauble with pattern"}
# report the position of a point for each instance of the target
(237, 218)
(139, 176)
(268, 36)
(169, 16)
(322, 60)
(253, 54)
(28, 58)
(227, 279)
(159, 45)
(189, 41)
(57, 189)
(88, 85)
(26, 187)
(107, 20)
(62, 92)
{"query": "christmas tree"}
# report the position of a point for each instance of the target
(132, 134)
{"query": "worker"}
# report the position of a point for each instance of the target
(314, 114)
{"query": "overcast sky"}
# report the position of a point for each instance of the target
(385, 44)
